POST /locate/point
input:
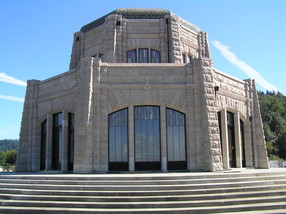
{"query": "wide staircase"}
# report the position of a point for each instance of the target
(248, 191)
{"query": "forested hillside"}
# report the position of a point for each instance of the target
(273, 113)
(6, 145)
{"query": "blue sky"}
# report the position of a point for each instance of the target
(247, 40)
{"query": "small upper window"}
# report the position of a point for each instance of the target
(131, 56)
(189, 59)
(143, 55)
(101, 56)
(184, 58)
(155, 56)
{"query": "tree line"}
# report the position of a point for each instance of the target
(8, 152)
(273, 113)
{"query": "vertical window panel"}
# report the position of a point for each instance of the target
(176, 140)
(147, 137)
(143, 55)
(131, 56)
(57, 141)
(70, 141)
(242, 143)
(43, 145)
(155, 56)
(118, 140)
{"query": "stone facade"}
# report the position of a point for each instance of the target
(100, 82)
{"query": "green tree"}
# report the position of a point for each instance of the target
(3, 158)
(273, 113)
(11, 157)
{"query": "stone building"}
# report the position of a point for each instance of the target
(141, 94)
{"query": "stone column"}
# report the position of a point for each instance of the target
(49, 143)
(224, 139)
(238, 150)
(131, 157)
(64, 146)
(163, 139)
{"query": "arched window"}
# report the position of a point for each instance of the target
(131, 56)
(71, 142)
(242, 143)
(147, 138)
(43, 145)
(118, 140)
(231, 139)
(176, 140)
(57, 141)
(155, 56)
(143, 55)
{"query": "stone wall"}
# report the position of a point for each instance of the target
(117, 35)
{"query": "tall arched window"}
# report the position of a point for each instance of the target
(176, 140)
(57, 141)
(231, 139)
(131, 56)
(143, 55)
(118, 140)
(242, 143)
(43, 145)
(155, 56)
(71, 142)
(147, 138)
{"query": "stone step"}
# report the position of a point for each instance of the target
(153, 192)
(144, 177)
(145, 187)
(65, 181)
(144, 193)
(178, 197)
(264, 208)
(144, 205)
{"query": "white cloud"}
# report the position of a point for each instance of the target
(10, 98)
(251, 72)
(8, 79)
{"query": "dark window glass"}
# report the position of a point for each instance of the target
(189, 59)
(118, 140)
(131, 56)
(242, 143)
(147, 137)
(155, 56)
(176, 136)
(43, 145)
(71, 142)
(57, 141)
(184, 58)
(143, 55)
(101, 56)
(231, 139)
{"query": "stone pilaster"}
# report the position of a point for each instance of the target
(131, 147)
(163, 139)
(175, 47)
(84, 114)
(258, 133)
(29, 135)
(110, 38)
(210, 125)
